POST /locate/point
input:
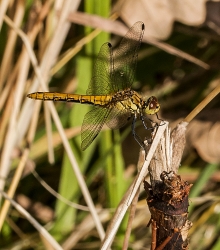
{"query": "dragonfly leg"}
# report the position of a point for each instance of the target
(144, 124)
(160, 120)
(136, 137)
(155, 124)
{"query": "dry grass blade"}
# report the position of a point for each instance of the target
(84, 228)
(39, 228)
(16, 83)
(3, 9)
(57, 195)
(174, 51)
(118, 28)
(131, 218)
(78, 46)
(20, 167)
(48, 60)
(25, 115)
(11, 134)
(7, 66)
(40, 148)
(203, 104)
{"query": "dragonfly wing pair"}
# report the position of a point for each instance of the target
(110, 90)
(110, 75)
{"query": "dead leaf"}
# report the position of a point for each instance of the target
(205, 138)
(40, 211)
(159, 16)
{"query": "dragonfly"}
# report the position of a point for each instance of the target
(109, 92)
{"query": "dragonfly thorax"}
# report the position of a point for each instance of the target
(127, 100)
(131, 101)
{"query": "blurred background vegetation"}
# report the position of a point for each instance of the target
(179, 80)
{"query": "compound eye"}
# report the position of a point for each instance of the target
(153, 103)
(152, 106)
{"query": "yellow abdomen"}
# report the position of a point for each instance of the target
(87, 99)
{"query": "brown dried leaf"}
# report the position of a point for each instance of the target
(39, 210)
(205, 138)
(159, 16)
(178, 137)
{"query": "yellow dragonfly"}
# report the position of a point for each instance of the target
(109, 91)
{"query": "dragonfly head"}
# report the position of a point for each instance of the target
(151, 106)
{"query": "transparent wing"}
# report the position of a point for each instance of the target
(117, 118)
(95, 119)
(92, 124)
(125, 58)
(100, 83)
(108, 77)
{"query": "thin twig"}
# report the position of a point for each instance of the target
(57, 195)
(202, 104)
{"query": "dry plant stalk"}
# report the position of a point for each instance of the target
(168, 193)
(132, 191)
